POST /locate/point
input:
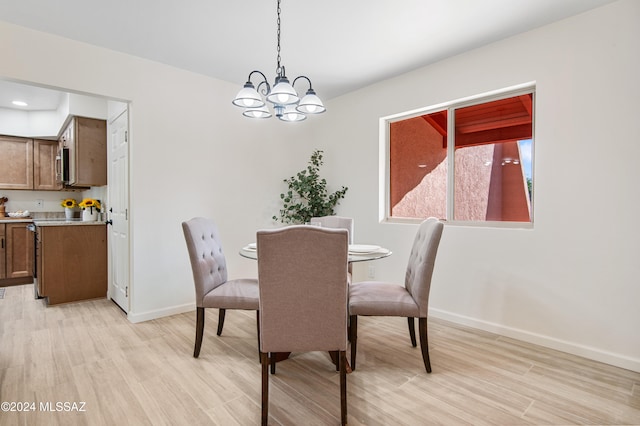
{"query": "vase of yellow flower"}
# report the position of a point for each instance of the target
(69, 204)
(90, 208)
(2, 206)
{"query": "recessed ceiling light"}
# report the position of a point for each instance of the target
(19, 103)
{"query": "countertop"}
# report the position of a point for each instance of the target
(64, 222)
(16, 219)
(49, 221)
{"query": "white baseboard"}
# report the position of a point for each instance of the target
(159, 313)
(595, 354)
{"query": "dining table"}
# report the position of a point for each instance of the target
(356, 253)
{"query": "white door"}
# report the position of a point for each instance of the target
(118, 210)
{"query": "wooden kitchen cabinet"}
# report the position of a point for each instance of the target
(44, 166)
(16, 256)
(72, 262)
(16, 167)
(3, 251)
(86, 140)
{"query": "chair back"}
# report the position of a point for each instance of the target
(208, 263)
(302, 271)
(422, 261)
(338, 222)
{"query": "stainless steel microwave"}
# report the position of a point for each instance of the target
(63, 167)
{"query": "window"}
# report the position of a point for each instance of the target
(468, 161)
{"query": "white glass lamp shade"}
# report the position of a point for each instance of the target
(248, 97)
(283, 93)
(291, 114)
(262, 112)
(311, 104)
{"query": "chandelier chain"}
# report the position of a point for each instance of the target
(279, 68)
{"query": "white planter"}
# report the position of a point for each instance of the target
(88, 216)
(68, 213)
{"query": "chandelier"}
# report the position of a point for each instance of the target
(287, 105)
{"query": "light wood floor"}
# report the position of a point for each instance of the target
(145, 374)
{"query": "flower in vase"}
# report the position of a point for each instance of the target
(89, 203)
(69, 203)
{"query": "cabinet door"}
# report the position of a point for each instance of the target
(19, 250)
(16, 163)
(3, 250)
(90, 144)
(44, 166)
(72, 262)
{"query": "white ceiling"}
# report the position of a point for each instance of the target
(341, 45)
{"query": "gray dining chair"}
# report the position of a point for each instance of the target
(411, 300)
(338, 222)
(303, 298)
(213, 288)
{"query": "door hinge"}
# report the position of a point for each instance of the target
(126, 136)
(126, 291)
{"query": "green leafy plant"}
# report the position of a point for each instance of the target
(307, 194)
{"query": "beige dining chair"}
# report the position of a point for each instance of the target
(339, 222)
(411, 300)
(303, 298)
(213, 288)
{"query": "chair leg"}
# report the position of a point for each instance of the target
(335, 358)
(424, 344)
(220, 320)
(412, 331)
(264, 361)
(199, 331)
(258, 323)
(272, 362)
(353, 337)
(343, 387)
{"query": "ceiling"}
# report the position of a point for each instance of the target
(340, 45)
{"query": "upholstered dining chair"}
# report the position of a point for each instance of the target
(209, 267)
(303, 298)
(339, 222)
(374, 298)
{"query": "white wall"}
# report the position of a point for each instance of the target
(47, 124)
(572, 281)
(192, 154)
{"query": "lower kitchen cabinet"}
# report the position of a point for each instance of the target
(16, 254)
(72, 262)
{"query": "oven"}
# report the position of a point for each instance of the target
(36, 257)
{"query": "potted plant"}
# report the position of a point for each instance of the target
(69, 204)
(2, 206)
(90, 208)
(307, 194)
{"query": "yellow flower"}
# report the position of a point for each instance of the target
(89, 202)
(69, 203)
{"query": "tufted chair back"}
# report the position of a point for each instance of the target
(338, 222)
(207, 258)
(422, 261)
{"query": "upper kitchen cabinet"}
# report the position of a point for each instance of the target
(85, 142)
(16, 167)
(28, 164)
(46, 168)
